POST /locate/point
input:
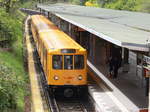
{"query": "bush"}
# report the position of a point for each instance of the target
(13, 78)
(9, 85)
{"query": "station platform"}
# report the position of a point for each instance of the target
(126, 93)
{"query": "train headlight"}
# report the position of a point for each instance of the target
(56, 77)
(80, 77)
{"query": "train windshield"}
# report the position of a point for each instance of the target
(57, 62)
(78, 62)
(68, 62)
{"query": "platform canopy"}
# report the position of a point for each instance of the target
(123, 28)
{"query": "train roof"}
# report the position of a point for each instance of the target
(53, 37)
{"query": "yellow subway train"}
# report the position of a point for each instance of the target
(63, 60)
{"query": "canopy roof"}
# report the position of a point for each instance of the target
(123, 28)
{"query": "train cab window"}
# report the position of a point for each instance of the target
(57, 61)
(79, 61)
(68, 62)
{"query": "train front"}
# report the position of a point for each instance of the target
(68, 71)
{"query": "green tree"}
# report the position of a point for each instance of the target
(8, 4)
(79, 2)
(8, 29)
(146, 6)
(104, 2)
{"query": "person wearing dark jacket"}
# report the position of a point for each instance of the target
(111, 63)
(116, 63)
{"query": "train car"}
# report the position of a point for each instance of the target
(63, 60)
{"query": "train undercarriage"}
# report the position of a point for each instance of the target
(68, 90)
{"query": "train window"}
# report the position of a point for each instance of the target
(68, 62)
(79, 61)
(57, 61)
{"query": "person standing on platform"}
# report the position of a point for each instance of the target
(116, 67)
(111, 63)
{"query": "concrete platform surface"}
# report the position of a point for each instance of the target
(122, 94)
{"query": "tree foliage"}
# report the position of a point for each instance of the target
(123, 5)
(8, 4)
(131, 5)
(13, 78)
(78, 2)
(12, 75)
(146, 6)
(7, 28)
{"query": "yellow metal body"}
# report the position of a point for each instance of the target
(50, 41)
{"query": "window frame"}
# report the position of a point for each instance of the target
(71, 63)
(82, 63)
(62, 62)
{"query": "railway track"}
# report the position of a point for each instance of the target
(76, 104)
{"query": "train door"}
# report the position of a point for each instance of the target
(49, 68)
